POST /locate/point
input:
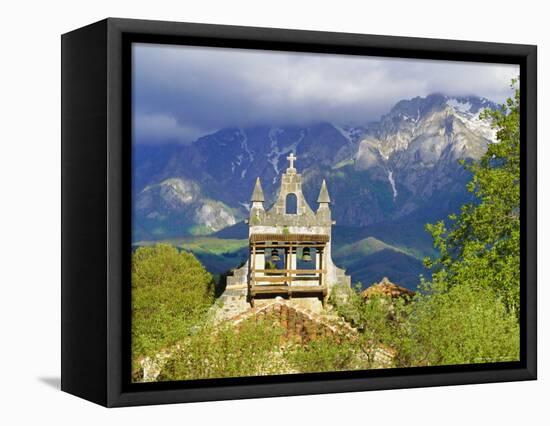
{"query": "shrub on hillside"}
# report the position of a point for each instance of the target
(171, 292)
(227, 350)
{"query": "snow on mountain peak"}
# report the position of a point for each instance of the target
(461, 105)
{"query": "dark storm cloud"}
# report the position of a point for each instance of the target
(181, 93)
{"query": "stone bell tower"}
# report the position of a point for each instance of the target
(289, 245)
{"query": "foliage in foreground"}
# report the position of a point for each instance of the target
(171, 292)
(255, 348)
(326, 354)
(461, 325)
(226, 351)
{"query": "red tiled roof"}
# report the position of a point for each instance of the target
(386, 288)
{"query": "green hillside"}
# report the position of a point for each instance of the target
(370, 259)
(349, 253)
(218, 255)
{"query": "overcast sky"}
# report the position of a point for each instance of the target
(183, 92)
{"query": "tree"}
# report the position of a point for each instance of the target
(480, 247)
(469, 310)
(171, 291)
(458, 325)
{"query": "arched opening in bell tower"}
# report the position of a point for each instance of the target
(291, 204)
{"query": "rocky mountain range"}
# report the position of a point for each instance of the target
(402, 168)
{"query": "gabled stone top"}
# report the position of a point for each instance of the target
(279, 214)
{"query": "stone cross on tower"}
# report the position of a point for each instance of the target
(291, 158)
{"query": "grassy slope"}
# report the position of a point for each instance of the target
(370, 259)
(349, 253)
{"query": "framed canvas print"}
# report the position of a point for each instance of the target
(253, 212)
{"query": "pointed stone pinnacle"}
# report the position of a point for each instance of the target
(323, 194)
(258, 194)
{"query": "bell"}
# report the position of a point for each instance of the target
(306, 256)
(275, 255)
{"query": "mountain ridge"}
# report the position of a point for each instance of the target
(386, 170)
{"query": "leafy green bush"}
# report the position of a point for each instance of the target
(171, 292)
(439, 326)
(226, 350)
(460, 325)
(324, 354)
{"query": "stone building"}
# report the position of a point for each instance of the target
(289, 247)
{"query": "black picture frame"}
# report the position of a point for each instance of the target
(96, 225)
